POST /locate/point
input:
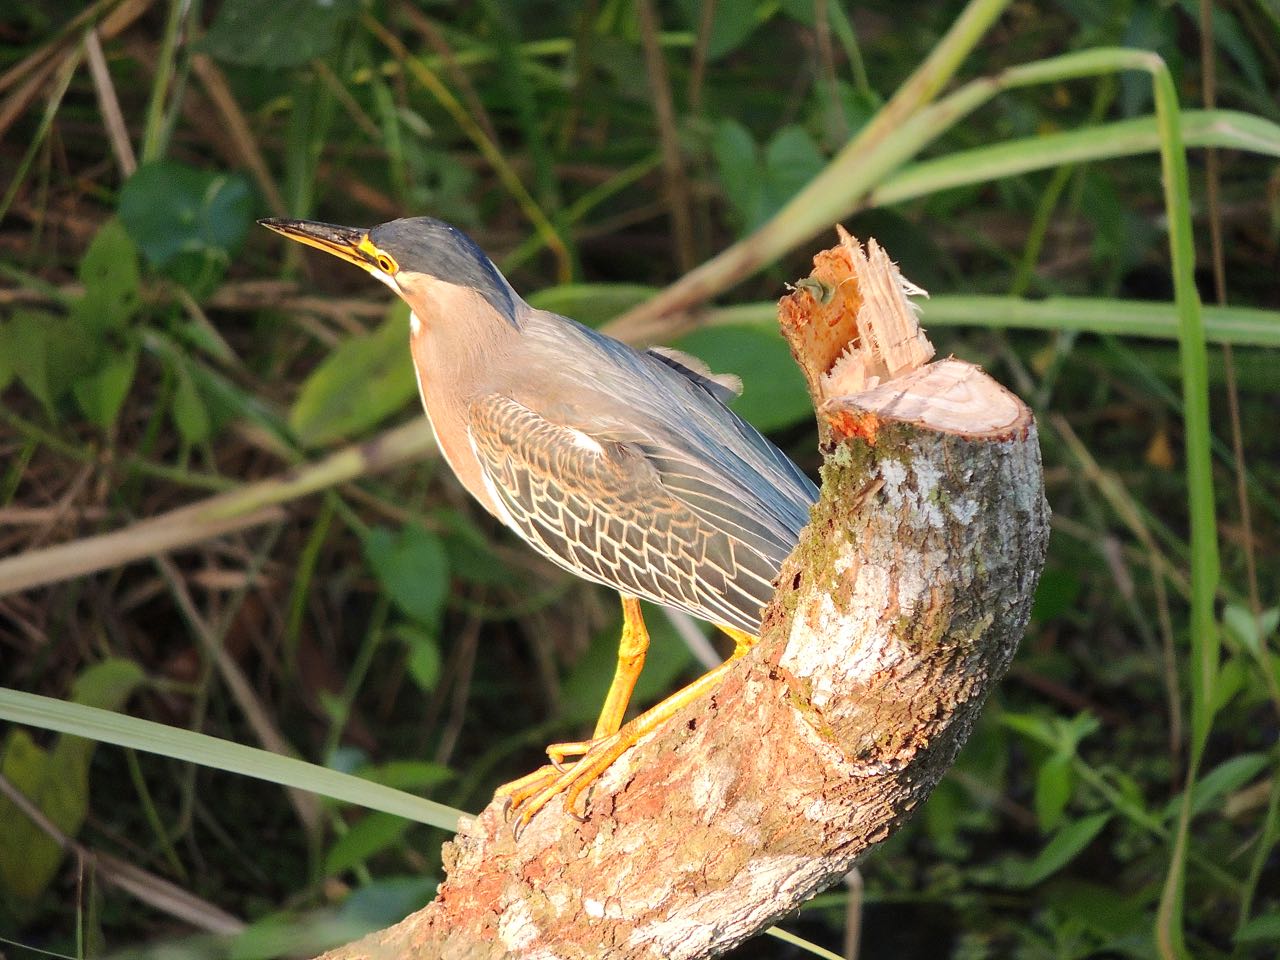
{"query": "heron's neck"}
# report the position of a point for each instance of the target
(459, 348)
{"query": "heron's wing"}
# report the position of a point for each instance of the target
(725, 387)
(603, 508)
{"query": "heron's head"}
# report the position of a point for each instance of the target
(412, 256)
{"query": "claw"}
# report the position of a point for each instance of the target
(528, 795)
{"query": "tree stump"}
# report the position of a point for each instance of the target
(899, 610)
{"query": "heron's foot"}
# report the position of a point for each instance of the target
(526, 796)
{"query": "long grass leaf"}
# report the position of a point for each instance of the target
(106, 726)
(1202, 128)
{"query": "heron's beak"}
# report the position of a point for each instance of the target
(345, 243)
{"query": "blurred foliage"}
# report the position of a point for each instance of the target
(154, 348)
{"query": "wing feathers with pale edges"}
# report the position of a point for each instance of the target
(642, 519)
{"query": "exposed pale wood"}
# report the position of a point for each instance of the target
(897, 613)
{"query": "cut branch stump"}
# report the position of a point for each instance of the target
(899, 610)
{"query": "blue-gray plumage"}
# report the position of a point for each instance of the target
(438, 249)
(631, 471)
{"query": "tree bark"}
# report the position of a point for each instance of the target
(898, 611)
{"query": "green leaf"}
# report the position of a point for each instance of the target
(56, 780)
(1249, 631)
(1065, 846)
(791, 160)
(1227, 777)
(471, 556)
(383, 902)
(1034, 727)
(1263, 929)
(364, 380)
(738, 164)
(27, 336)
(1053, 790)
(101, 394)
(943, 816)
(283, 33)
(413, 775)
(413, 568)
(50, 353)
(1100, 908)
(423, 654)
(1056, 594)
(111, 278)
(733, 22)
(591, 303)
(7, 346)
(368, 836)
(171, 209)
(773, 390)
(585, 687)
(757, 183)
(190, 415)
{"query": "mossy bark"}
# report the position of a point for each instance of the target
(894, 617)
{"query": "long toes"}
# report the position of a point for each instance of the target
(559, 752)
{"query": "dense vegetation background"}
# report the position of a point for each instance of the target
(157, 350)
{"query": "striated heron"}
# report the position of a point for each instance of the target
(623, 466)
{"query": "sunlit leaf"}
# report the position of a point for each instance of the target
(773, 390)
(758, 182)
(1251, 632)
(738, 164)
(106, 726)
(591, 303)
(364, 380)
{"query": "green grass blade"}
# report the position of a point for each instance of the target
(106, 726)
(1244, 326)
(1204, 531)
(786, 937)
(1228, 129)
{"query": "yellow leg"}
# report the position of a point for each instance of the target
(742, 642)
(631, 652)
(531, 793)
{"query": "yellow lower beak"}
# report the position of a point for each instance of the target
(343, 242)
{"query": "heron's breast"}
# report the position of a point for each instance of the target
(442, 390)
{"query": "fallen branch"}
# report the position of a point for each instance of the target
(897, 613)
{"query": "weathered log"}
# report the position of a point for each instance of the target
(895, 616)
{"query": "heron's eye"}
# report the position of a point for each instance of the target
(386, 264)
